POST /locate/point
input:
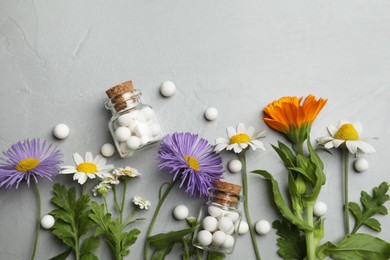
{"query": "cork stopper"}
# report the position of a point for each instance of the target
(227, 187)
(120, 89)
(226, 193)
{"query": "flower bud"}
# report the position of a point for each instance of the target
(301, 185)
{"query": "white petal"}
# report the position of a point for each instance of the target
(241, 128)
(107, 167)
(352, 146)
(342, 122)
(100, 161)
(88, 157)
(77, 158)
(325, 139)
(220, 147)
(365, 147)
(243, 145)
(68, 167)
(82, 179)
(358, 127)
(258, 144)
(332, 130)
(231, 131)
(221, 141)
(91, 176)
(237, 149)
(337, 142)
(250, 131)
(329, 145)
(260, 135)
(68, 171)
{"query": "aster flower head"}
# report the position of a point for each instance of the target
(191, 160)
(240, 139)
(102, 188)
(27, 160)
(88, 168)
(291, 116)
(141, 203)
(126, 172)
(346, 136)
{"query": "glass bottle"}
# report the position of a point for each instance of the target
(133, 125)
(219, 219)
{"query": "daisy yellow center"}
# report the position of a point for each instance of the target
(239, 138)
(127, 172)
(192, 162)
(27, 164)
(347, 132)
(86, 167)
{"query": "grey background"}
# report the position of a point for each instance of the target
(57, 58)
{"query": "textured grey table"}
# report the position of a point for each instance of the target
(58, 57)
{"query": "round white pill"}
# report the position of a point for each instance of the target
(233, 216)
(61, 131)
(244, 227)
(144, 140)
(211, 113)
(123, 147)
(214, 211)
(320, 208)
(47, 221)
(219, 238)
(107, 150)
(155, 129)
(167, 88)
(133, 124)
(229, 242)
(225, 224)
(361, 165)
(230, 231)
(141, 130)
(235, 166)
(210, 223)
(205, 238)
(125, 119)
(148, 113)
(262, 227)
(122, 133)
(180, 212)
(133, 142)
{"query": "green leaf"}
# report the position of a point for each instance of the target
(164, 239)
(372, 205)
(186, 249)
(162, 252)
(62, 256)
(285, 154)
(292, 245)
(281, 204)
(215, 255)
(130, 238)
(358, 247)
(89, 257)
(89, 245)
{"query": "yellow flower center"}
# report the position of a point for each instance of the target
(86, 167)
(239, 138)
(192, 162)
(27, 164)
(347, 132)
(127, 172)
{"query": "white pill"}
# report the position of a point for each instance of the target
(262, 227)
(214, 211)
(210, 223)
(229, 242)
(125, 119)
(142, 130)
(155, 129)
(47, 221)
(225, 224)
(230, 231)
(235, 166)
(148, 113)
(133, 124)
(145, 140)
(180, 212)
(167, 88)
(133, 142)
(320, 208)
(122, 133)
(211, 113)
(361, 165)
(123, 147)
(107, 150)
(219, 238)
(244, 227)
(205, 238)
(233, 216)
(61, 131)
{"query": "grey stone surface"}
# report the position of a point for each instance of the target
(58, 57)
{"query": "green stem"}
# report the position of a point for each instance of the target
(128, 220)
(346, 212)
(105, 201)
(300, 148)
(246, 204)
(115, 199)
(38, 219)
(310, 245)
(160, 203)
(123, 199)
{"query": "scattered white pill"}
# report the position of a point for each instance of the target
(211, 113)
(180, 212)
(361, 165)
(262, 227)
(244, 227)
(320, 208)
(107, 150)
(167, 88)
(229, 242)
(219, 238)
(148, 113)
(133, 142)
(225, 224)
(141, 130)
(233, 216)
(214, 211)
(47, 221)
(122, 133)
(125, 119)
(235, 166)
(210, 223)
(155, 129)
(61, 131)
(205, 238)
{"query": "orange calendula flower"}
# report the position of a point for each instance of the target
(292, 117)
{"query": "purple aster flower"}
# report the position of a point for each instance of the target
(27, 160)
(192, 160)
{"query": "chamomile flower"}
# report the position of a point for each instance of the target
(88, 168)
(126, 172)
(240, 139)
(346, 135)
(102, 188)
(141, 203)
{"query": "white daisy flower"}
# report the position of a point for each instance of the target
(102, 188)
(240, 139)
(88, 168)
(346, 135)
(141, 203)
(112, 179)
(126, 172)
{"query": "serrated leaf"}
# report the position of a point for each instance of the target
(89, 245)
(130, 238)
(291, 243)
(62, 256)
(164, 239)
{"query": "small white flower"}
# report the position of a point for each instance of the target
(346, 135)
(112, 179)
(88, 168)
(240, 139)
(141, 203)
(126, 172)
(102, 188)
